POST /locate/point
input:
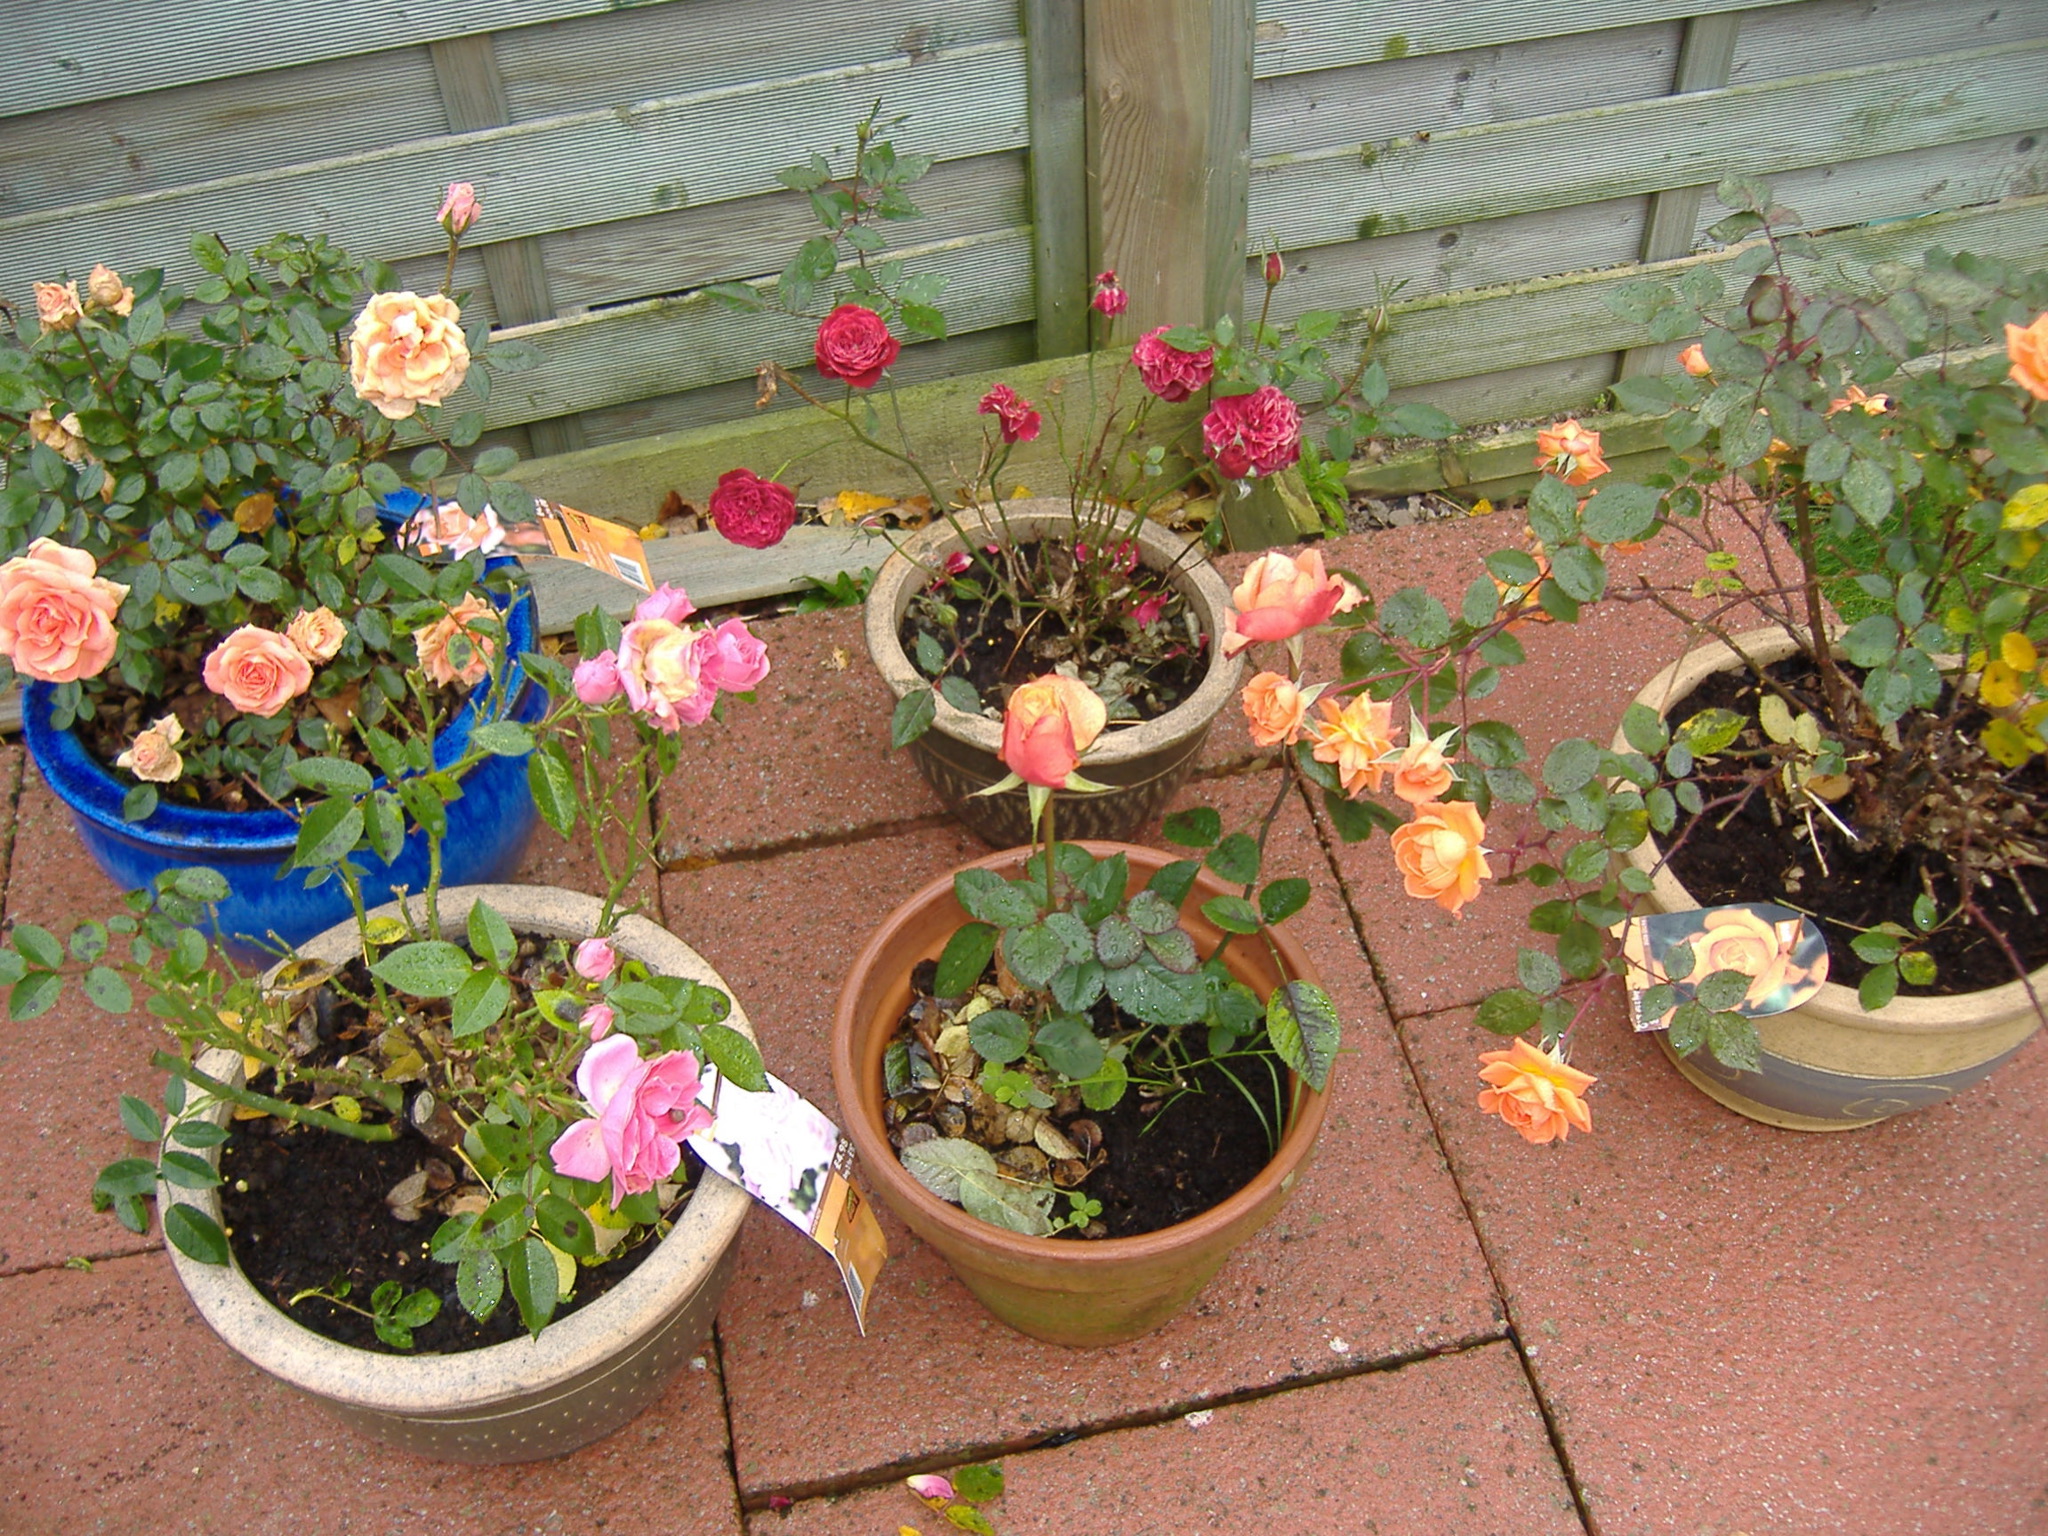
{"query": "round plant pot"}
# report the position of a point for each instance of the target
(962, 753)
(1830, 1064)
(588, 1373)
(488, 828)
(1062, 1290)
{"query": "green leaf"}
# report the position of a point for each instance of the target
(490, 934)
(1581, 949)
(964, 958)
(1572, 765)
(1722, 990)
(1303, 1025)
(1236, 858)
(1879, 986)
(187, 1170)
(1034, 953)
(1538, 972)
(737, 1058)
(1196, 827)
(1580, 573)
(1619, 512)
(502, 738)
(195, 1234)
(1875, 947)
(480, 1283)
(108, 991)
(38, 946)
(1509, 1011)
(1644, 729)
(940, 1165)
(1118, 941)
(1733, 1041)
(979, 1483)
(427, 968)
(1233, 914)
(34, 994)
(913, 716)
(1149, 992)
(1869, 490)
(1172, 882)
(126, 1177)
(480, 1001)
(1107, 1086)
(332, 775)
(1068, 1046)
(328, 834)
(985, 895)
(553, 785)
(1710, 731)
(1283, 898)
(139, 1120)
(562, 1224)
(999, 1035)
(535, 1284)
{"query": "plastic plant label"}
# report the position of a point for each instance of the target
(611, 548)
(1782, 952)
(781, 1149)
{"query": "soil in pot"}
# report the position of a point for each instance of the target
(1756, 857)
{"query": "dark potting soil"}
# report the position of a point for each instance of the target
(1754, 858)
(1171, 1160)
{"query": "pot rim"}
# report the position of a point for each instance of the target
(424, 1386)
(896, 584)
(884, 1167)
(1835, 1003)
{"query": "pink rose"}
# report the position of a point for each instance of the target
(1110, 298)
(106, 289)
(452, 650)
(318, 635)
(57, 613)
(665, 602)
(750, 511)
(1017, 421)
(854, 344)
(642, 1112)
(597, 678)
(1145, 613)
(659, 668)
(1254, 434)
(730, 658)
(448, 529)
(595, 959)
(1047, 724)
(257, 670)
(407, 351)
(58, 305)
(458, 209)
(154, 757)
(1281, 595)
(598, 1019)
(1168, 372)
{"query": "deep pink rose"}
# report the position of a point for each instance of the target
(665, 602)
(854, 344)
(458, 208)
(1018, 422)
(595, 959)
(257, 670)
(1110, 298)
(1254, 434)
(730, 658)
(57, 613)
(751, 511)
(597, 678)
(1168, 372)
(642, 1111)
(598, 1019)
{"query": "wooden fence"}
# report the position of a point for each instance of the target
(1500, 166)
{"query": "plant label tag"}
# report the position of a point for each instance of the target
(611, 548)
(1782, 952)
(781, 1149)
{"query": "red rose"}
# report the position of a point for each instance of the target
(854, 344)
(1254, 434)
(1019, 422)
(1168, 372)
(751, 511)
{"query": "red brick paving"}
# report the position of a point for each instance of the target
(1730, 1329)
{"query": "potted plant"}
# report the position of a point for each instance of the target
(999, 588)
(520, 1066)
(201, 587)
(1085, 1072)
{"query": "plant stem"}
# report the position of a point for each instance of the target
(177, 1066)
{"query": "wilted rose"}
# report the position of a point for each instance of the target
(1166, 370)
(1440, 855)
(1571, 452)
(452, 649)
(257, 670)
(105, 288)
(407, 351)
(58, 305)
(1535, 1092)
(1275, 709)
(57, 613)
(1047, 724)
(1110, 298)
(1254, 434)
(154, 757)
(1357, 737)
(2027, 347)
(1016, 420)
(62, 434)
(750, 511)
(318, 635)
(854, 344)
(1281, 595)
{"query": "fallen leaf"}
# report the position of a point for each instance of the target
(840, 658)
(851, 506)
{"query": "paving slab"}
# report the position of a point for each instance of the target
(124, 1413)
(1740, 1328)
(1373, 1259)
(1451, 1444)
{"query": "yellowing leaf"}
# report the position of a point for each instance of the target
(2028, 507)
(2000, 686)
(255, 513)
(852, 506)
(1482, 508)
(2018, 652)
(2008, 744)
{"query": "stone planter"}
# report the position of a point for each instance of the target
(1062, 1290)
(588, 1373)
(1830, 1065)
(962, 753)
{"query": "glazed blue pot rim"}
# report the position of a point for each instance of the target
(91, 792)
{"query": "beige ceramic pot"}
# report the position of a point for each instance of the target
(1830, 1065)
(962, 753)
(1063, 1290)
(586, 1374)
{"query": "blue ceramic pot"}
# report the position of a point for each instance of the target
(488, 827)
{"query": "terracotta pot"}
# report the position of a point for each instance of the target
(1062, 1290)
(588, 1373)
(962, 753)
(1830, 1064)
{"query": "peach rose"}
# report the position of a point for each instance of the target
(1571, 451)
(1422, 773)
(318, 635)
(1358, 737)
(257, 670)
(58, 305)
(59, 433)
(154, 757)
(1439, 854)
(407, 351)
(1275, 708)
(1873, 405)
(57, 613)
(2028, 349)
(451, 651)
(1739, 940)
(106, 289)
(458, 208)
(1047, 724)
(1694, 361)
(662, 671)
(1535, 1092)
(1281, 595)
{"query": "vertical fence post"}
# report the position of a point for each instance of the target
(1056, 58)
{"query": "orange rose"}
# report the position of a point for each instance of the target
(1047, 725)
(1694, 361)
(108, 291)
(154, 758)
(451, 651)
(1423, 772)
(1873, 405)
(1571, 451)
(1275, 708)
(318, 635)
(57, 613)
(1358, 737)
(407, 351)
(257, 670)
(61, 434)
(1737, 940)
(58, 305)
(2028, 350)
(1282, 595)
(1439, 854)
(1535, 1092)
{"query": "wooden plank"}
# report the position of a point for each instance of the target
(1057, 63)
(88, 50)
(1299, 35)
(580, 168)
(1647, 146)
(1787, 39)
